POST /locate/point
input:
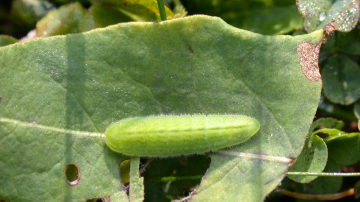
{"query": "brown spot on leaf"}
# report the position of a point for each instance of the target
(329, 28)
(309, 56)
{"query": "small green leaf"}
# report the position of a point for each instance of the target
(125, 171)
(107, 16)
(6, 40)
(143, 10)
(313, 158)
(357, 109)
(341, 80)
(332, 133)
(179, 9)
(313, 12)
(344, 149)
(65, 20)
(326, 122)
(317, 14)
(347, 17)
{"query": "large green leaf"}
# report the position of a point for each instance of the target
(191, 65)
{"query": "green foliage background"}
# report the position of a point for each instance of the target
(339, 66)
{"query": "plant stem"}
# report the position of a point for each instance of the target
(317, 196)
(176, 178)
(162, 9)
(323, 174)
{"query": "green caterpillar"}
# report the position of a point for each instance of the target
(161, 136)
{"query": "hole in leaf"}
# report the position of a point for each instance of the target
(322, 135)
(106, 199)
(190, 50)
(72, 174)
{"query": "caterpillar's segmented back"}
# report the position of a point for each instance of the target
(161, 136)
